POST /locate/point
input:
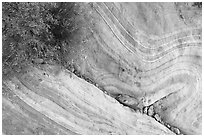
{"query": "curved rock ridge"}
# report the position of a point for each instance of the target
(139, 51)
(53, 100)
(137, 70)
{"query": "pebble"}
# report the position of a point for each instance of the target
(145, 110)
(157, 117)
(175, 130)
(150, 111)
(167, 125)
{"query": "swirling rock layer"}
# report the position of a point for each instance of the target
(140, 54)
(49, 102)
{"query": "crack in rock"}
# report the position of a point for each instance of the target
(149, 110)
(132, 103)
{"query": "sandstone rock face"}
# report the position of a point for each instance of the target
(137, 71)
(70, 105)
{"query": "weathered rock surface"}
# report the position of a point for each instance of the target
(146, 56)
(50, 102)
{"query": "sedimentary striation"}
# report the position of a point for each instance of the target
(126, 68)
